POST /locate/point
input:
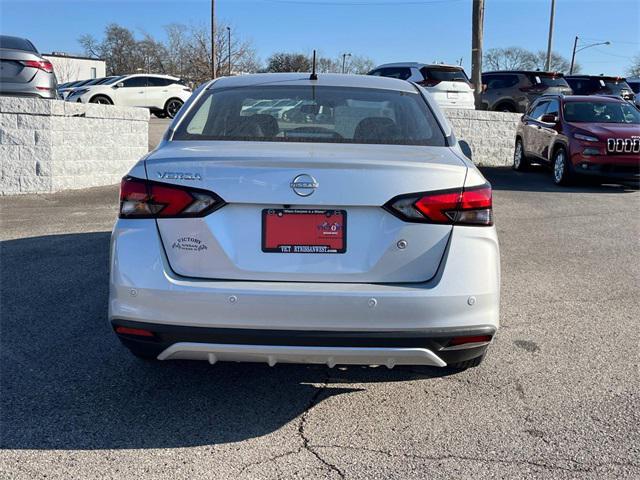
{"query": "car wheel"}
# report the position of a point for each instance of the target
(562, 174)
(172, 107)
(101, 99)
(520, 160)
(473, 362)
(505, 107)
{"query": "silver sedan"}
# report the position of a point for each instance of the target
(362, 235)
(23, 71)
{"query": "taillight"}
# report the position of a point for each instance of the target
(39, 64)
(145, 199)
(469, 206)
(429, 82)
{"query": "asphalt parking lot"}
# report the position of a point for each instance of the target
(557, 396)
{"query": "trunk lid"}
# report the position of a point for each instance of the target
(255, 176)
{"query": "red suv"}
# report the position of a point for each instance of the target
(580, 135)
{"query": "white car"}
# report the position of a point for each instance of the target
(365, 240)
(162, 94)
(448, 84)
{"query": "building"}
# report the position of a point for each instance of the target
(69, 68)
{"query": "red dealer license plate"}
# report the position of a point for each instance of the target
(304, 231)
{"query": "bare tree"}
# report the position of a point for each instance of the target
(66, 69)
(558, 63)
(359, 64)
(511, 58)
(288, 62)
(634, 68)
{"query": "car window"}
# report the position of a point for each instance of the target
(553, 108)
(635, 86)
(318, 114)
(446, 74)
(159, 82)
(494, 82)
(393, 72)
(112, 80)
(135, 82)
(15, 43)
(601, 112)
(548, 80)
(539, 110)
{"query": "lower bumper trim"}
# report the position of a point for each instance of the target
(274, 354)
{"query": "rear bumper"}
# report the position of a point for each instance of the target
(463, 296)
(424, 347)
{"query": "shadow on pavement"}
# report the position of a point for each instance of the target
(67, 383)
(538, 179)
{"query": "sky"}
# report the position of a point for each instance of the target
(384, 30)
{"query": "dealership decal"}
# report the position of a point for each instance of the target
(190, 244)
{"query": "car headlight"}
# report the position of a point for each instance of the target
(586, 138)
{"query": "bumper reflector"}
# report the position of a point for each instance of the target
(474, 339)
(138, 332)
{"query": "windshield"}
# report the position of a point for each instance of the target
(615, 86)
(549, 80)
(635, 86)
(110, 80)
(315, 114)
(445, 74)
(601, 112)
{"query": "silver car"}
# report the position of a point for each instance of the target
(23, 71)
(364, 238)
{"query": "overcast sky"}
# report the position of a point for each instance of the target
(385, 30)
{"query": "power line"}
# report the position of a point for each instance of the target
(612, 41)
(613, 54)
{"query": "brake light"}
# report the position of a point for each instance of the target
(44, 65)
(470, 206)
(429, 82)
(146, 199)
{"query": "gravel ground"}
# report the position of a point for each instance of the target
(557, 396)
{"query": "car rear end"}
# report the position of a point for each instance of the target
(545, 83)
(449, 86)
(363, 238)
(23, 71)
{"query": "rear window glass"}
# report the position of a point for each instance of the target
(601, 112)
(16, 44)
(312, 114)
(402, 73)
(548, 80)
(444, 74)
(615, 86)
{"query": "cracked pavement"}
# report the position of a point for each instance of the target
(557, 396)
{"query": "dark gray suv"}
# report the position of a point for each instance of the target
(514, 90)
(23, 72)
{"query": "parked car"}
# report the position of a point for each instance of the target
(634, 84)
(368, 240)
(600, 85)
(581, 135)
(448, 84)
(514, 90)
(23, 71)
(162, 94)
(77, 86)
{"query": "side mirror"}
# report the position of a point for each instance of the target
(549, 118)
(118, 85)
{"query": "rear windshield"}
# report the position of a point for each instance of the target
(601, 112)
(635, 86)
(614, 85)
(444, 74)
(392, 72)
(15, 43)
(548, 80)
(311, 114)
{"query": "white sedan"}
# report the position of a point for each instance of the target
(363, 237)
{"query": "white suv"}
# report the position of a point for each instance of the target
(162, 94)
(448, 84)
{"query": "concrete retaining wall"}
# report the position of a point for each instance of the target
(491, 135)
(51, 145)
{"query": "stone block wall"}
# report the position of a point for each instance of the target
(491, 135)
(51, 145)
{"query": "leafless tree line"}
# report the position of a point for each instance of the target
(517, 58)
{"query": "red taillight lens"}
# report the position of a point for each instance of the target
(145, 199)
(471, 339)
(40, 64)
(138, 332)
(469, 206)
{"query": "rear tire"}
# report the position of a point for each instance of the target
(520, 160)
(562, 173)
(172, 107)
(101, 99)
(474, 362)
(505, 107)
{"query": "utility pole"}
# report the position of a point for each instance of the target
(229, 45)
(547, 65)
(213, 38)
(344, 59)
(477, 26)
(573, 55)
